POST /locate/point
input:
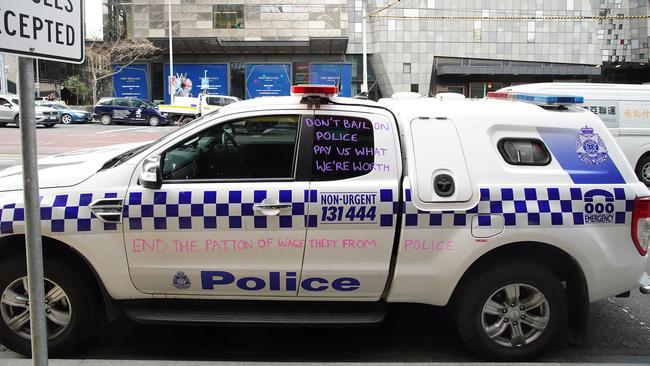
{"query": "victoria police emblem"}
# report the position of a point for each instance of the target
(590, 147)
(181, 281)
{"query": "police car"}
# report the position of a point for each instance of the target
(515, 212)
(110, 110)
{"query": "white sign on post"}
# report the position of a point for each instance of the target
(45, 29)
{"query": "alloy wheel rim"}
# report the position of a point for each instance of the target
(154, 121)
(14, 308)
(66, 119)
(645, 172)
(515, 315)
(105, 119)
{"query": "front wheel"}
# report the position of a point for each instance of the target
(512, 312)
(643, 170)
(17, 120)
(154, 121)
(69, 307)
(66, 119)
(106, 119)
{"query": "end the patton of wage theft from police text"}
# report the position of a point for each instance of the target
(48, 29)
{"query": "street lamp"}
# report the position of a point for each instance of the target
(171, 56)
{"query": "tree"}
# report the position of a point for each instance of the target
(102, 56)
(77, 85)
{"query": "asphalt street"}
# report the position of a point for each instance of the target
(619, 328)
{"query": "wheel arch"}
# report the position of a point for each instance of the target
(15, 246)
(561, 263)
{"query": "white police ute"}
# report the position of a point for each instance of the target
(515, 213)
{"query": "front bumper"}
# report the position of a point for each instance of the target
(43, 119)
(82, 118)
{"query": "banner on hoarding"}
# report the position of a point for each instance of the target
(190, 80)
(131, 81)
(268, 80)
(330, 74)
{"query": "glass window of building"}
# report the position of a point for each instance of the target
(406, 68)
(228, 16)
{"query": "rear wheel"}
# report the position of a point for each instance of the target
(2, 124)
(154, 121)
(17, 120)
(185, 121)
(512, 312)
(69, 307)
(49, 125)
(643, 170)
(106, 119)
(66, 119)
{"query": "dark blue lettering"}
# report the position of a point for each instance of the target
(307, 284)
(346, 284)
(208, 279)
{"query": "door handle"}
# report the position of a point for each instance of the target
(272, 209)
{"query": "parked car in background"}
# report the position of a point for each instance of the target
(187, 109)
(109, 110)
(10, 112)
(68, 115)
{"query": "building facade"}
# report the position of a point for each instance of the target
(423, 46)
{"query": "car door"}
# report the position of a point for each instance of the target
(355, 173)
(229, 219)
(122, 109)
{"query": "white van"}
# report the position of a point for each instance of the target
(624, 108)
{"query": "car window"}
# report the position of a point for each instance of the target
(214, 101)
(235, 150)
(106, 102)
(228, 101)
(344, 147)
(16, 101)
(122, 102)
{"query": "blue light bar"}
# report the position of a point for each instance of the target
(539, 99)
(549, 99)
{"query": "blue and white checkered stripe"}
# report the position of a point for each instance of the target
(522, 207)
(199, 210)
(59, 214)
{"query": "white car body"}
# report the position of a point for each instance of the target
(385, 235)
(624, 108)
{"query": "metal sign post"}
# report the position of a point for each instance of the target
(51, 30)
(32, 211)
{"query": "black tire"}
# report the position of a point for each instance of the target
(17, 120)
(185, 121)
(106, 119)
(2, 124)
(66, 119)
(82, 313)
(643, 170)
(49, 125)
(475, 293)
(154, 121)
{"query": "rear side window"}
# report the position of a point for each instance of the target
(343, 147)
(517, 151)
(122, 102)
(106, 102)
(214, 101)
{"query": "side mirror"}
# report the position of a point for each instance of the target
(150, 175)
